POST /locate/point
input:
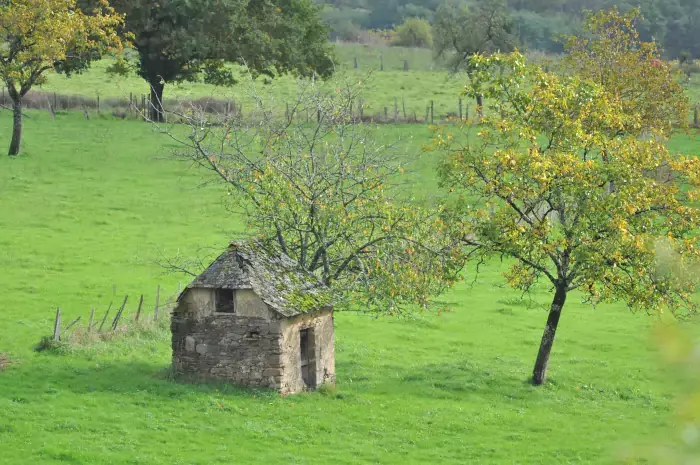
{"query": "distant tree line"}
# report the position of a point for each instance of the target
(537, 24)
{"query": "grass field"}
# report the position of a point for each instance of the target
(413, 90)
(92, 204)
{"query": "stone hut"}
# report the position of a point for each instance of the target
(254, 318)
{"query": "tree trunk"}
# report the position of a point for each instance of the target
(155, 110)
(16, 126)
(539, 374)
(480, 105)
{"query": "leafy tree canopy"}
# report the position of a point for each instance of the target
(611, 54)
(546, 149)
(182, 40)
(330, 196)
(414, 32)
(461, 31)
(39, 36)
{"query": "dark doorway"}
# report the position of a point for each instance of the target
(306, 352)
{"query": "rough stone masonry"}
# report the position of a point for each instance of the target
(237, 323)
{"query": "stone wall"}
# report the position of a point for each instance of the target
(241, 350)
(324, 350)
(257, 348)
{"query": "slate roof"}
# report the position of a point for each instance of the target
(274, 277)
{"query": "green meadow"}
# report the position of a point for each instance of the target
(91, 205)
(411, 93)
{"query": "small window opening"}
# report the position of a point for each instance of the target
(225, 302)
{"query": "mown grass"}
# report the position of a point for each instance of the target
(91, 204)
(380, 91)
(411, 90)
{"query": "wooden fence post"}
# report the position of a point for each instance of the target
(155, 312)
(432, 114)
(92, 319)
(355, 62)
(52, 110)
(73, 323)
(396, 110)
(427, 115)
(57, 326)
(466, 113)
(131, 102)
(115, 323)
(105, 317)
(381, 62)
(386, 114)
(98, 104)
(403, 104)
(55, 101)
(460, 108)
(138, 312)
(696, 117)
(405, 65)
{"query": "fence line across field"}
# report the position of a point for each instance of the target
(111, 326)
(137, 105)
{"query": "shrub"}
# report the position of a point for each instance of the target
(414, 32)
(49, 344)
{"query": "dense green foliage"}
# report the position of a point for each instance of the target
(537, 23)
(414, 32)
(178, 40)
(611, 54)
(461, 32)
(93, 203)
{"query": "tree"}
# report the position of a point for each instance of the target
(414, 32)
(459, 32)
(43, 35)
(330, 197)
(542, 160)
(182, 40)
(612, 55)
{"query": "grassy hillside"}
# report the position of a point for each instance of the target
(93, 203)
